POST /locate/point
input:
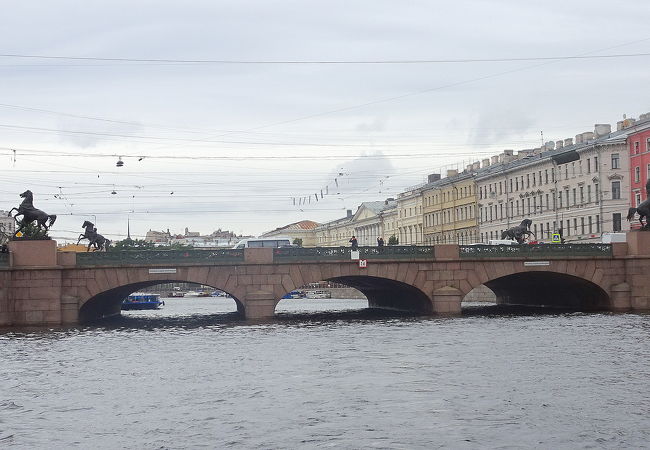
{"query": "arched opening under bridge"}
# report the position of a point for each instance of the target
(377, 293)
(549, 289)
(109, 303)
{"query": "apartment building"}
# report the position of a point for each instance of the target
(579, 190)
(449, 208)
(409, 216)
(371, 221)
(638, 141)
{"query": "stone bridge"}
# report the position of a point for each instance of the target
(40, 286)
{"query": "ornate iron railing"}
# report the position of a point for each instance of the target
(4, 259)
(344, 253)
(535, 250)
(169, 257)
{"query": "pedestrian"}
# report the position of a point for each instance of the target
(380, 241)
(354, 243)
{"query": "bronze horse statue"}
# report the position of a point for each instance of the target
(643, 210)
(520, 232)
(94, 239)
(31, 214)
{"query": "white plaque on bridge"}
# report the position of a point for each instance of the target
(354, 254)
(162, 270)
(363, 263)
(537, 263)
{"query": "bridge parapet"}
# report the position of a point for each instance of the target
(4, 259)
(537, 251)
(169, 257)
(292, 254)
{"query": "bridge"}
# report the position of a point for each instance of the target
(40, 286)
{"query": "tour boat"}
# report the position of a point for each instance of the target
(319, 294)
(142, 300)
(295, 294)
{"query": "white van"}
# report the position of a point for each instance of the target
(271, 242)
(501, 242)
(608, 238)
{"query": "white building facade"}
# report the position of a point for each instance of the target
(579, 190)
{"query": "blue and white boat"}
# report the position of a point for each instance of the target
(142, 300)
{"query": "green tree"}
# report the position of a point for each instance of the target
(393, 240)
(133, 244)
(298, 242)
(32, 231)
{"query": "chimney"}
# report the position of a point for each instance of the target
(645, 116)
(469, 168)
(494, 160)
(451, 173)
(559, 144)
(602, 129)
(629, 122)
(433, 177)
(578, 138)
(349, 211)
(485, 163)
(587, 136)
(568, 141)
(550, 145)
(619, 125)
(476, 165)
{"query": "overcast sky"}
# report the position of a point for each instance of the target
(237, 115)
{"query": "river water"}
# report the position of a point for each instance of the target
(328, 374)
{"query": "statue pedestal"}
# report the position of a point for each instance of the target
(638, 243)
(33, 253)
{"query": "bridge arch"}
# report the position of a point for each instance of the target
(398, 286)
(544, 287)
(108, 302)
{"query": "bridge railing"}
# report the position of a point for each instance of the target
(4, 259)
(170, 257)
(344, 253)
(535, 250)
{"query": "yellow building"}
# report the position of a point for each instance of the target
(409, 216)
(449, 210)
(303, 230)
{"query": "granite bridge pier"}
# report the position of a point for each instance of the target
(41, 286)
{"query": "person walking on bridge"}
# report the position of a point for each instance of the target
(354, 243)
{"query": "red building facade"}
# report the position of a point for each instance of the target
(639, 148)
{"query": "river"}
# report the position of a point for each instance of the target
(328, 374)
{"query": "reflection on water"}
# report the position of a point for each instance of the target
(328, 373)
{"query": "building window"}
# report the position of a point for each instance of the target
(647, 145)
(582, 225)
(648, 174)
(616, 161)
(616, 222)
(575, 199)
(595, 163)
(589, 194)
(591, 229)
(582, 195)
(616, 190)
(597, 223)
(637, 198)
(636, 148)
(637, 174)
(588, 165)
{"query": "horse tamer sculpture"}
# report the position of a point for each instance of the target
(31, 214)
(94, 239)
(519, 233)
(643, 210)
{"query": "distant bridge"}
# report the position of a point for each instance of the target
(40, 286)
